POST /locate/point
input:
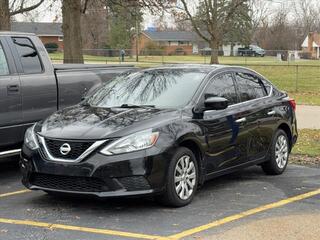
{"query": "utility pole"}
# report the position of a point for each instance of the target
(137, 32)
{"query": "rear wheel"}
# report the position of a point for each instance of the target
(279, 154)
(182, 179)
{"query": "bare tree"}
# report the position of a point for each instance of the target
(259, 12)
(211, 18)
(14, 7)
(307, 15)
(307, 18)
(278, 33)
(71, 14)
(94, 24)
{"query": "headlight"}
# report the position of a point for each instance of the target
(134, 142)
(30, 139)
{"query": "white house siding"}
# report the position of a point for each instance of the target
(227, 49)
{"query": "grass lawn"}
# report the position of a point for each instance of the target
(308, 143)
(307, 149)
(301, 79)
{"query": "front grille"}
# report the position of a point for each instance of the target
(68, 183)
(77, 148)
(135, 183)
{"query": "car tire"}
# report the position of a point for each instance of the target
(278, 155)
(183, 165)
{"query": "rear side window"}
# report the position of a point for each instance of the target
(222, 86)
(4, 70)
(250, 87)
(28, 54)
(267, 86)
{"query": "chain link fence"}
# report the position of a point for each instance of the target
(292, 71)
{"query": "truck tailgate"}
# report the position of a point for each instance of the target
(76, 80)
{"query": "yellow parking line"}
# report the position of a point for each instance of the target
(77, 228)
(146, 236)
(244, 214)
(14, 193)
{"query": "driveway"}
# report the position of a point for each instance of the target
(308, 116)
(244, 205)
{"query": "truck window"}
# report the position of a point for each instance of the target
(28, 54)
(4, 70)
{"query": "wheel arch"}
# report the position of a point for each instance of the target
(196, 149)
(285, 127)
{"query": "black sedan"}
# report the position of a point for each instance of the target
(163, 132)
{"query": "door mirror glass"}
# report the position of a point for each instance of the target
(215, 103)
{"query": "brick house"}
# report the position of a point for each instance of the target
(47, 32)
(171, 42)
(311, 45)
(177, 43)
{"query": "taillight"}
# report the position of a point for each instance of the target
(293, 104)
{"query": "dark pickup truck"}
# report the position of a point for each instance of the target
(252, 50)
(31, 88)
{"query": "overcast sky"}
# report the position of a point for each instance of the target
(50, 13)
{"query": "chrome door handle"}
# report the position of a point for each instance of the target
(271, 113)
(241, 120)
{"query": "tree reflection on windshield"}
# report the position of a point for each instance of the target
(158, 87)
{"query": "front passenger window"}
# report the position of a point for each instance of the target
(4, 70)
(222, 86)
(250, 87)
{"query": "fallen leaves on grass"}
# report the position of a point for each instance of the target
(305, 160)
(308, 143)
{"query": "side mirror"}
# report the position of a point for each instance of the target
(216, 103)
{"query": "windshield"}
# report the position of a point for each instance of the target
(161, 88)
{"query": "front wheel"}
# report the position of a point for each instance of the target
(279, 154)
(182, 179)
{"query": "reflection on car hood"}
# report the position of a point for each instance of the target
(85, 122)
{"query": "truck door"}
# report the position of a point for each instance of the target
(10, 99)
(38, 84)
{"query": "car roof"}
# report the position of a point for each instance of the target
(208, 68)
(204, 67)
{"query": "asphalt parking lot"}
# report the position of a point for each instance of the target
(241, 205)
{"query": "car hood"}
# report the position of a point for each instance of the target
(85, 122)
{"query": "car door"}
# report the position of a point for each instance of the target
(225, 130)
(10, 99)
(38, 84)
(253, 96)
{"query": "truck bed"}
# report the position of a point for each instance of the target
(89, 66)
(77, 80)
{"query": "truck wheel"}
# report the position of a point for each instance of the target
(182, 180)
(279, 154)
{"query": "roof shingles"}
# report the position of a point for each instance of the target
(172, 36)
(38, 28)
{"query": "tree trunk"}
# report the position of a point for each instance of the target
(4, 16)
(214, 45)
(71, 13)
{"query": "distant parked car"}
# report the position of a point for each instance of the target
(161, 131)
(252, 50)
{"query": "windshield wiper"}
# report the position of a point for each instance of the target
(128, 105)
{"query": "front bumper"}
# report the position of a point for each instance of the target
(137, 173)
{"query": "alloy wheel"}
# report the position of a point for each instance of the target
(185, 177)
(281, 151)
